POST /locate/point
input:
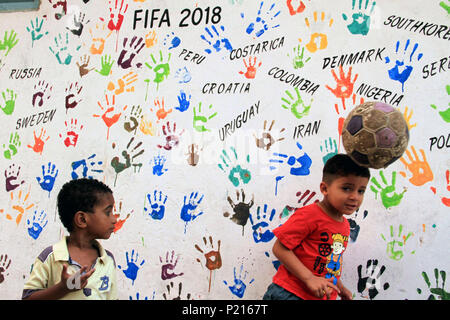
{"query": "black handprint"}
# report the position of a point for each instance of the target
(372, 281)
(169, 296)
(241, 210)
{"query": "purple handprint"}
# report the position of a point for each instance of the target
(132, 50)
(167, 268)
(12, 175)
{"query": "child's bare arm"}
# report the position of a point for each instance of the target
(317, 285)
(345, 293)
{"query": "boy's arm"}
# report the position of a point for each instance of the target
(345, 293)
(317, 285)
(60, 289)
(55, 292)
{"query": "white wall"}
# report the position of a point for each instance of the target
(408, 238)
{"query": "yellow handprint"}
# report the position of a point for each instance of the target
(318, 40)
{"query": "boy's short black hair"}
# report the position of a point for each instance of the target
(78, 195)
(341, 165)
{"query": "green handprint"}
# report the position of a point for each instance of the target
(61, 46)
(106, 65)
(244, 175)
(444, 6)
(399, 242)
(8, 43)
(440, 292)
(445, 115)
(35, 31)
(298, 59)
(162, 70)
(10, 101)
(295, 104)
(14, 143)
(387, 200)
(361, 21)
(199, 117)
(331, 149)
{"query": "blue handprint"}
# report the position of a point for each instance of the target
(217, 43)
(157, 206)
(83, 163)
(184, 103)
(304, 161)
(260, 21)
(188, 209)
(37, 224)
(239, 286)
(394, 72)
(184, 75)
(174, 40)
(158, 167)
(261, 233)
(132, 267)
(48, 177)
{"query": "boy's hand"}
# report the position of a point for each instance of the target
(320, 286)
(346, 294)
(76, 281)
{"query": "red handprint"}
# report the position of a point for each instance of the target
(109, 121)
(344, 85)
(116, 16)
(39, 142)
(300, 7)
(71, 133)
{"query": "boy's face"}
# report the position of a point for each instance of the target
(101, 221)
(345, 194)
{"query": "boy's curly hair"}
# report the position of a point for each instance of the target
(341, 165)
(78, 195)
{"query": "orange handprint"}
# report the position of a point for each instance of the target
(344, 85)
(39, 142)
(421, 171)
(98, 41)
(146, 126)
(120, 222)
(150, 39)
(109, 121)
(161, 113)
(124, 82)
(251, 69)
(19, 207)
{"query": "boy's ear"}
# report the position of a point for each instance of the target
(79, 219)
(323, 188)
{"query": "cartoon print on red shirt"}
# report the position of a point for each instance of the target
(334, 260)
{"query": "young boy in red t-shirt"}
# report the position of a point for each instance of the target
(310, 244)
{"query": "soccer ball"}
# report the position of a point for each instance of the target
(375, 134)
